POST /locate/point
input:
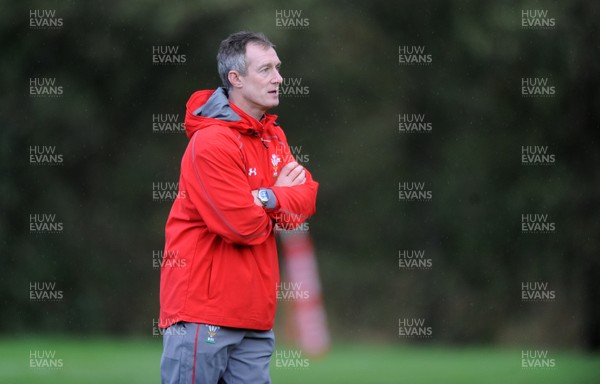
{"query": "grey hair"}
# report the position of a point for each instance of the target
(232, 53)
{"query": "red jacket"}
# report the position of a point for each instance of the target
(220, 262)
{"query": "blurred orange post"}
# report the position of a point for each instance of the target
(308, 314)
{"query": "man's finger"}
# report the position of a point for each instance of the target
(301, 175)
(288, 168)
(296, 172)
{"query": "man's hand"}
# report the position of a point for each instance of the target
(290, 175)
(256, 199)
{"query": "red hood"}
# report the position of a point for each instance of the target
(212, 107)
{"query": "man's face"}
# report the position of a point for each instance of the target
(261, 82)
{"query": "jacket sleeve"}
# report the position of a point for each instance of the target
(294, 204)
(217, 186)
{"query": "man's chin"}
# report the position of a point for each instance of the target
(273, 103)
(266, 105)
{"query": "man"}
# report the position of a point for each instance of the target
(238, 181)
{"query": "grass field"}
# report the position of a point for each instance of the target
(88, 361)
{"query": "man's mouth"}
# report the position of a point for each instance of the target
(274, 92)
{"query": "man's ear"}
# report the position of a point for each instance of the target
(235, 79)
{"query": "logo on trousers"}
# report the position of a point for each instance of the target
(212, 332)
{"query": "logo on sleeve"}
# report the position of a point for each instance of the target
(252, 172)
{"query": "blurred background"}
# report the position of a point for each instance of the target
(507, 96)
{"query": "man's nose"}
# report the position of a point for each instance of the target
(277, 79)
